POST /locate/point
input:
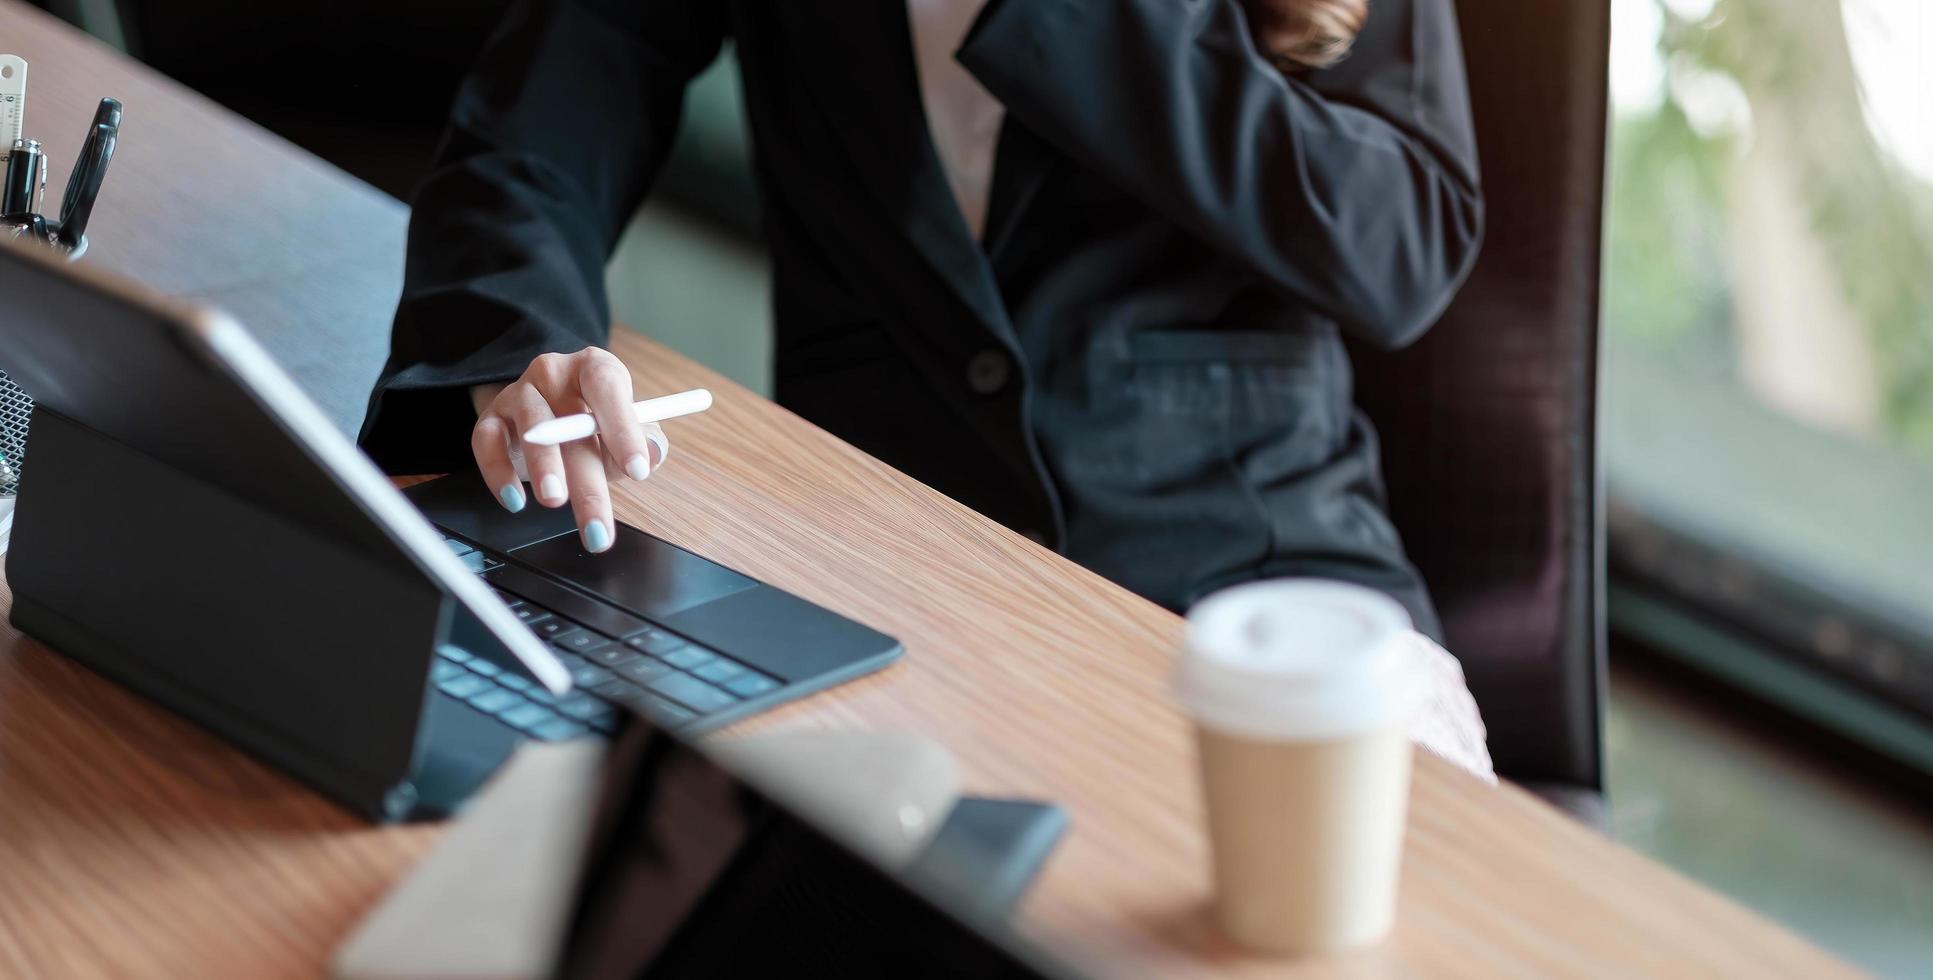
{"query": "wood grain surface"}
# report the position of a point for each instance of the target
(134, 844)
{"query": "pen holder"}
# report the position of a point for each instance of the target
(21, 219)
(17, 409)
(43, 232)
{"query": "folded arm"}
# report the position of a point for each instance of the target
(1353, 188)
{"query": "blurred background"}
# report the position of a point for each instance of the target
(1767, 412)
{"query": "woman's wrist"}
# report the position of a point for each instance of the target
(482, 395)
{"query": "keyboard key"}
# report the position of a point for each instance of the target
(632, 697)
(458, 548)
(531, 615)
(527, 716)
(443, 670)
(582, 641)
(454, 654)
(610, 656)
(558, 730)
(478, 665)
(606, 723)
(719, 671)
(467, 686)
(490, 563)
(496, 699)
(656, 642)
(666, 713)
(555, 629)
(542, 695)
(606, 619)
(643, 670)
(474, 561)
(513, 682)
(583, 707)
(692, 693)
(689, 658)
(589, 675)
(617, 690)
(625, 660)
(750, 685)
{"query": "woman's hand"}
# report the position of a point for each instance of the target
(592, 380)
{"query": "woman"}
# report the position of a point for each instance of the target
(1085, 265)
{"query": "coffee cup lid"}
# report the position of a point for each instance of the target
(1298, 659)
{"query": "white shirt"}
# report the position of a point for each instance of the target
(963, 118)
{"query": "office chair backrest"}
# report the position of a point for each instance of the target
(1489, 422)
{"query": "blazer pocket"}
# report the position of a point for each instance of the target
(1260, 401)
(1247, 377)
(1279, 348)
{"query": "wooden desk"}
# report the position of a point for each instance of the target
(131, 843)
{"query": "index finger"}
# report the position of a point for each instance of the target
(605, 385)
(490, 444)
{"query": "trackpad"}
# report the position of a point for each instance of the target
(460, 503)
(640, 572)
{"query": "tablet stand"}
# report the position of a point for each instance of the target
(180, 590)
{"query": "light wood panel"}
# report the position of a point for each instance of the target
(133, 844)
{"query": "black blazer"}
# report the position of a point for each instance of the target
(1141, 365)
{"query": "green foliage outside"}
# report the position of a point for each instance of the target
(1667, 282)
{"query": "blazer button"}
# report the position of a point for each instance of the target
(988, 372)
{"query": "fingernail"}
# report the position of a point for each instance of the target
(552, 489)
(638, 467)
(512, 496)
(596, 536)
(660, 446)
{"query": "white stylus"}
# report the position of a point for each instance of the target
(570, 428)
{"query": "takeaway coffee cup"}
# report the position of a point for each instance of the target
(1301, 691)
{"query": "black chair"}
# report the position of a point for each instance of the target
(1489, 422)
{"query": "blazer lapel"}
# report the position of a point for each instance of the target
(1021, 163)
(857, 58)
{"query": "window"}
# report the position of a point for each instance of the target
(1768, 391)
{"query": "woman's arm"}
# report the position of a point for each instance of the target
(553, 140)
(1353, 188)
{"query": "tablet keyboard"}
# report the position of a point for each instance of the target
(615, 658)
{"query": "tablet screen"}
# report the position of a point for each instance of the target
(692, 873)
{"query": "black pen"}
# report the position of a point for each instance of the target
(25, 174)
(90, 169)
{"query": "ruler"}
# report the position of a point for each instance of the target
(13, 99)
